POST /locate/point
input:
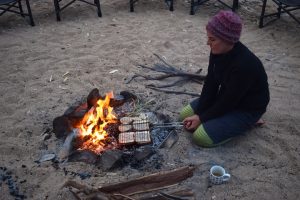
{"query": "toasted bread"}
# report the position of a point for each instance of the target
(125, 127)
(142, 137)
(126, 138)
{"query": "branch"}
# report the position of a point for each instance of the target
(173, 71)
(162, 60)
(169, 85)
(174, 92)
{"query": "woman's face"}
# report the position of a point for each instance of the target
(217, 45)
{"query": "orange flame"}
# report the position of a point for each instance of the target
(94, 122)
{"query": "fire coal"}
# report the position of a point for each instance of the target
(101, 131)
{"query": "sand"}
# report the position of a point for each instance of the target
(264, 163)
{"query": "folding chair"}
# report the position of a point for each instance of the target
(196, 3)
(283, 6)
(168, 2)
(15, 6)
(58, 8)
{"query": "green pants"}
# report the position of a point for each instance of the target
(200, 137)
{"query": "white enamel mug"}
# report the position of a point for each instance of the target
(218, 175)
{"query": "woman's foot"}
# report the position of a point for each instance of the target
(260, 122)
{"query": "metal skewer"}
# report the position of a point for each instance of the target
(158, 125)
(168, 125)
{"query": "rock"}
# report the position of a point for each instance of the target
(143, 153)
(86, 156)
(93, 97)
(118, 100)
(46, 136)
(128, 96)
(76, 111)
(61, 126)
(47, 157)
(110, 159)
(68, 144)
(170, 140)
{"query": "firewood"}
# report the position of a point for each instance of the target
(144, 184)
(169, 71)
(152, 181)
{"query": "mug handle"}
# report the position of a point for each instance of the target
(226, 177)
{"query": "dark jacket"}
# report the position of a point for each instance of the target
(236, 81)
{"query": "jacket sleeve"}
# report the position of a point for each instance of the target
(237, 85)
(208, 93)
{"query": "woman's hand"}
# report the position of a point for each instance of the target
(191, 123)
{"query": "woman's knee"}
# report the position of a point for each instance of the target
(186, 111)
(201, 138)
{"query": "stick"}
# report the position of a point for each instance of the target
(125, 196)
(162, 60)
(171, 84)
(169, 196)
(82, 188)
(151, 190)
(150, 182)
(174, 72)
(174, 92)
(75, 195)
(175, 194)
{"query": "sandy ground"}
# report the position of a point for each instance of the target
(264, 163)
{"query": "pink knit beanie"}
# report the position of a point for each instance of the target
(226, 25)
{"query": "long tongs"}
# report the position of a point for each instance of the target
(167, 125)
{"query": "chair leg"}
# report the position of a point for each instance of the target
(97, 2)
(131, 2)
(235, 5)
(171, 6)
(57, 10)
(21, 8)
(279, 10)
(192, 12)
(262, 15)
(29, 13)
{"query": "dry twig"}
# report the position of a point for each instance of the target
(169, 71)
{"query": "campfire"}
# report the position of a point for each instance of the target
(92, 128)
(109, 127)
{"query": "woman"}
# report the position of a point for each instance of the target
(235, 93)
